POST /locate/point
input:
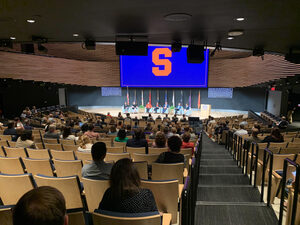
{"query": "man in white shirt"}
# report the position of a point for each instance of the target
(241, 131)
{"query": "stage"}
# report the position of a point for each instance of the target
(114, 110)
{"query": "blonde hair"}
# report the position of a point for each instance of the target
(83, 140)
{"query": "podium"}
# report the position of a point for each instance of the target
(205, 110)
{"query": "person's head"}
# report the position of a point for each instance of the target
(113, 129)
(124, 178)
(52, 128)
(174, 130)
(26, 135)
(160, 140)
(138, 133)
(166, 103)
(66, 132)
(119, 114)
(128, 114)
(83, 141)
(84, 127)
(187, 105)
(242, 126)
(98, 151)
(17, 119)
(183, 115)
(166, 115)
(186, 129)
(27, 123)
(10, 125)
(276, 133)
(186, 137)
(179, 103)
(122, 134)
(255, 132)
(283, 118)
(166, 130)
(148, 103)
(108, 113)
(91, 127)
(150, 115)
(41, 206)
(174, 143)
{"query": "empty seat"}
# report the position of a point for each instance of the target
(50, 141)
(105, 217)
(73, 148)
(94, 191)
(13, 187)
(53, 146)
(6, 215)
(187, 151)
(5, 137)
(15, 152)
(3, 143)
(12, 144)
(68, 186)
(115, 149)
(293, 145)
(11, 165)
(157, 150)
(116, 156)
(165, 194)
(38, 154)
(39, 145)
(132, 150)
(63, 155)
(149, 158)
(38, 166)
(161, 171)
(84, 155)
(142, 168)
(290, 150)
(68, 167)
(119, 144)
(67, 142)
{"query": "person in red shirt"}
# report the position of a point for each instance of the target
(148, 107)
(186, 141)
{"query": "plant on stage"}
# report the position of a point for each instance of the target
(141, 107)
(172, 107)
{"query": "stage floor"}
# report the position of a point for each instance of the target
(114, 110)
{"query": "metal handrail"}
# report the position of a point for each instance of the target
(270, 154)
(295, 201)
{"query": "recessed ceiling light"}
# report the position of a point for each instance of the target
(30, 21)
(13, 38)
(240, 19)
(177, 17)
(75, 35)
(230, 38)
(234, 33)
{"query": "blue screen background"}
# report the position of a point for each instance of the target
(136, 71)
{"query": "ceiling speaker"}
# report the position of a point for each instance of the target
(195, 54)
(131, 48)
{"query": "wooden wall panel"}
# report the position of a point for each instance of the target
(101, 67)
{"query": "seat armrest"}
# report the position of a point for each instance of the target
(166, 218)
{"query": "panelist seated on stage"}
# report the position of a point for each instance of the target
(187, 109)
(125, 108)
(157, 108)
(148, 107)
(178, 109)
(166, 107)
(134, 107)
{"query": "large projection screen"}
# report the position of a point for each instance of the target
(163, 68)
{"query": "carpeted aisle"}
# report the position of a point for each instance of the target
(225, 196)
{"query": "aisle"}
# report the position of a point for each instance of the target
(225, 195)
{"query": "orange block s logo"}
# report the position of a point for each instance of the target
(161, 62)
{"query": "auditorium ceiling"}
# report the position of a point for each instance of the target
(273, 25)
(68, 63)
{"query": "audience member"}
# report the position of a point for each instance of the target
(241, 131)
(186, 141)
(26, 140)
(52, 133)
(67, 134)
(183, 119)
(18, 124)
(160, 140)
(120, 117)
(27, 125)
(125, 194)
(137, 140)
(10, 130)
(254, 137)
(91, 133)
(274, 137)
(121, 136)
(173, 155)
(85, 144)
(98, 169)
(41, 206)
(113, 130)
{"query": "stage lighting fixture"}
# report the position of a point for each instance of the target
(195, 53)
(293, 56)
(90, 44)
(176, 46)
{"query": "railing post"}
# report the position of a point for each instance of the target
(245, 146)
(283, 181)
(270, 179)
(251, 162)
(295, 201)
(263, 177)
(255, 168)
